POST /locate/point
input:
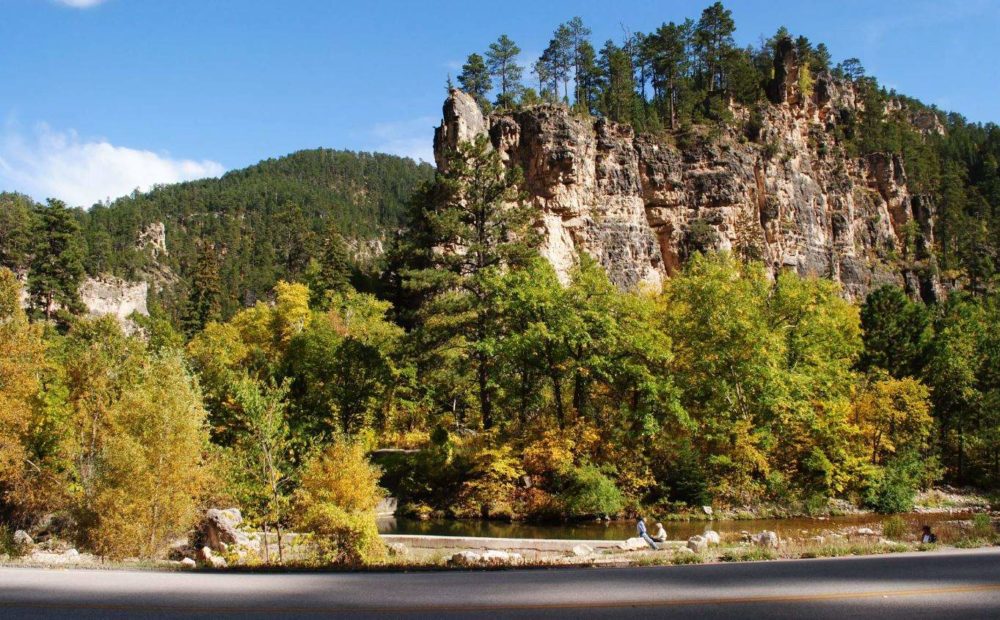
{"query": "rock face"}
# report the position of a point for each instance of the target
(114, 296)
(779, 188)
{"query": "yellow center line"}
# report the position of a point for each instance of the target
(347, 609)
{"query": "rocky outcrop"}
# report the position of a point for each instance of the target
(779, 189)
(114, 296)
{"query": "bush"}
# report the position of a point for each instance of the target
(336, 504)
(342, 537)
(895, 489)
(588, 492)
(894, 528)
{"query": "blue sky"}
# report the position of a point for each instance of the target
(98, 97)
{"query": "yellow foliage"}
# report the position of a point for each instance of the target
(893, 415)
(21, 361)
(336, 504)
(150, 472)
(341, 475)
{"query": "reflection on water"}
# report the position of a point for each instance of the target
(620, 530)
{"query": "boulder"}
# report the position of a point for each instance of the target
(188, 563)
(707, 510)
(767, 539)
(208, 558)
(22, 541)
(633, 544)
(697, 543)
(865, 531)
(397, 549)
(71, 554)
(582, 551)
(712, 537)
(220, 528)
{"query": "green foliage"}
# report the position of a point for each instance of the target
(895, 486)
(56, 269)
(265, 222)
(588, 492)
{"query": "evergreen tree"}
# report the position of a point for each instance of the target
(57, 260)
(331, 273)
(713, 41)
(475, 212)
(588, 79)
(16, 228)
(619, 96)
(475, 78)
(670, 63)
(205, 299)
(501, 59)
(579, 47)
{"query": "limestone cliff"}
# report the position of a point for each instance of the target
(776, 187)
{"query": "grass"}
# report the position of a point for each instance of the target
(755, 554)
(835, 551)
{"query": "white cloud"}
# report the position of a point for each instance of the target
(80, 4)
(412, 138)
(59, 164)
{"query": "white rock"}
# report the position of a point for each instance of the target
(22, 540)
(767, 539)
(581, 551)
(397, 549)
(71, 554)
(707, 509)
(188, 563)
(712, 537)
(866, 531)
(697, 543)
(633, 544)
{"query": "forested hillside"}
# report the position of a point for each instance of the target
(241, 233)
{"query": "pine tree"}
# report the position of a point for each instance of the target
(205, 300)
(713, 40)
(475, 78)
(475, 215)
(501, 59)
(331, 273)
(57, 263)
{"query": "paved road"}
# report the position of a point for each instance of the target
(963, 584)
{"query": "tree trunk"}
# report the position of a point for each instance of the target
(485, 403)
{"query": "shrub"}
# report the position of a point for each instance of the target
(342, 537)
(336, 504)
(588, 492)
(895, 489)
(894, 528)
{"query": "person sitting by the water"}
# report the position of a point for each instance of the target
(928, 537)
(661, 534)
(640, 528)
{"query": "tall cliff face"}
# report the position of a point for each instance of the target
(787, 194)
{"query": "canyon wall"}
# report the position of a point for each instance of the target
(774, 186)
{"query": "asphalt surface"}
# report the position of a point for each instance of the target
(960, 584)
